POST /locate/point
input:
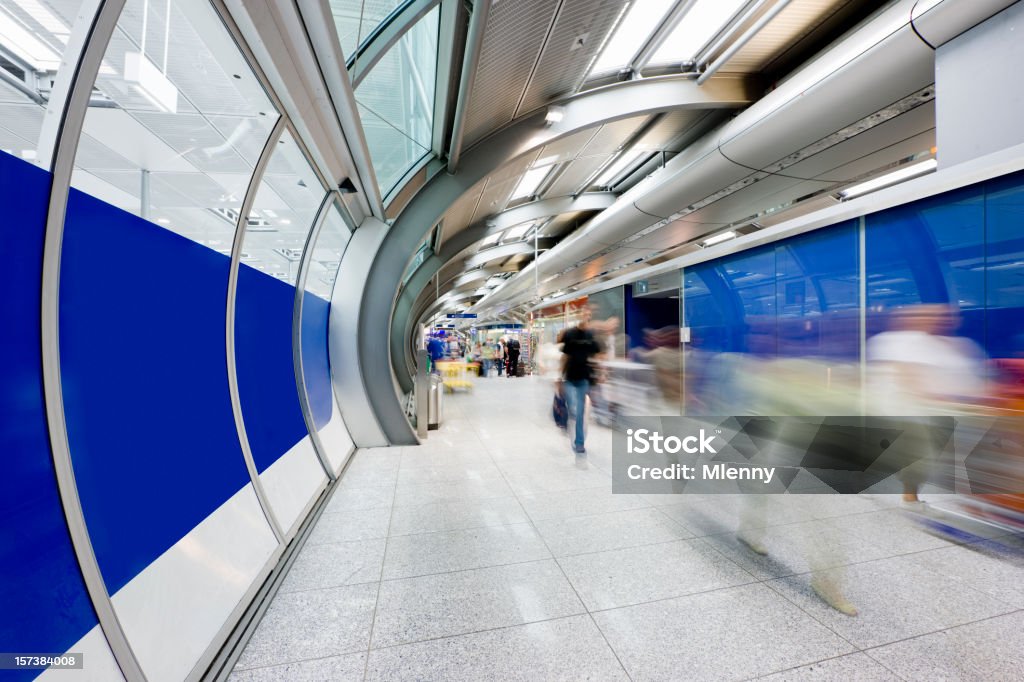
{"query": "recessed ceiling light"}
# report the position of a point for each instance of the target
(719, 238)
(905, 173)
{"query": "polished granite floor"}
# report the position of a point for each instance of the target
(487, 554)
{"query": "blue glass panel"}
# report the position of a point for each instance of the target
(266, 368)
(44, 604)
(149, 417)
(1004, 214)
(315, 363)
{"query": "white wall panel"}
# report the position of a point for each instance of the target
(98, 664)
(292, 482)
(175, 607)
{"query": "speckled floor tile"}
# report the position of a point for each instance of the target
(889, 530)
(997, 578)
(796, 548)
(858, 667)
(897, 598)
(347, 668)
(583, 502)
(564, 650)
(442, 516)
(335, 564)
(433, 606)
(624, 577)
(614, 530)
(427, 493)
(426, 553)
(730, 634)
(992, 649)
(453, 472)
(363, 524)
(312, 624)
(358, 499)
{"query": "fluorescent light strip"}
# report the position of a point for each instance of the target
(719, 238)
(906, 173)
(696, 29)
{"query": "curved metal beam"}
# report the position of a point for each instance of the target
(528, 134)
(402, 359)
(505, 251)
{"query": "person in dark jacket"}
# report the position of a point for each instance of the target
(579, 349)
(513, 356)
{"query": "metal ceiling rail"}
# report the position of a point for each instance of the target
(470, 61)
(714, 66)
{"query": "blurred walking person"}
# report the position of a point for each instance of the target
(579, 349)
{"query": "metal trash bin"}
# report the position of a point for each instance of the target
(435, 403)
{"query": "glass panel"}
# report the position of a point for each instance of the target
(330, 247)
(33, 40)
(1004, 222)
(631, 34)
(356, 19)
(282, 213)
(654, 371)
(702, 23)
(178, 125)
(396, 103)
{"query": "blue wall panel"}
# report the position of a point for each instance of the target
(43, 603)
(316, 366)
(266, 369)
(149, 417)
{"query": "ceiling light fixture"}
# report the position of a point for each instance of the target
(719, 238)
(531, 180)
(554, 115)
(905, 173)
(630, 34)
(625, 160)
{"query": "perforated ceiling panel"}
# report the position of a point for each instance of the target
(792, 24)
(461, 212)
(500, 186)
(613, 135)
(512, 40)
(579, 32)
(567, 148)
(578, 172)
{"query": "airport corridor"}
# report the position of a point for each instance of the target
(488, 553)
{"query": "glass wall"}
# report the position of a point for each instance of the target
(783, 329)
(396, 103)
(175, 126)
(34, 35)
(355, 20)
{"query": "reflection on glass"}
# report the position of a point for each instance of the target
(396, 103)
(282, 213)
(357, 19)
(177, 124)
(327, 252)
(33, 39)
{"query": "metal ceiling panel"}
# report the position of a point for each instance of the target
(613, 135)
(460, 213)
(568, 147)
(668, 129)
(792, 24)
(573, 177)
(500, 186)
(578, 33)
(512, 40)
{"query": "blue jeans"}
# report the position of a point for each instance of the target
(576, 400)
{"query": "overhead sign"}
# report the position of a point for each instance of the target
(461, 316)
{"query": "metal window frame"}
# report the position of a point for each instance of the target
(75, 92)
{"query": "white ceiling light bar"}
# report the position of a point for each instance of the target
(26, 46)
(905, 173)
(719, 238)
(698, 27)
(516, 233)
(150, 81)
(531, 180)
(626, 160)
(630, 34)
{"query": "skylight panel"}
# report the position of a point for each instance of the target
(697, 27)
(625, 160)
(532, 179)
(630, 34)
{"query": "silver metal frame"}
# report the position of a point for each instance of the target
(319, 26)
(229, 320)
(660, 34)
(740, 42)
(470, 61)
(300, 290)
(79, 90)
